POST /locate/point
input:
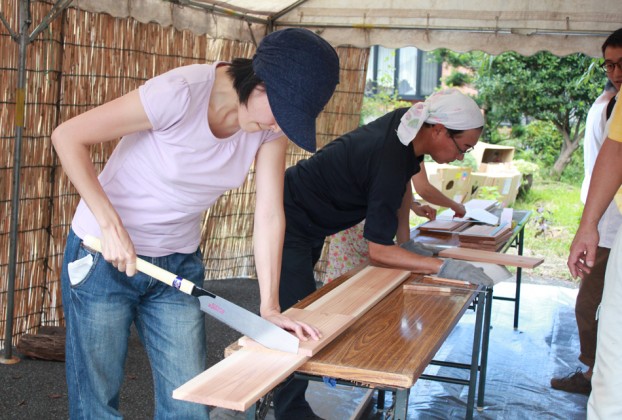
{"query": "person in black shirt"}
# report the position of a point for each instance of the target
(365, 174)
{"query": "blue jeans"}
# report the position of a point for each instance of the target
(99, 310)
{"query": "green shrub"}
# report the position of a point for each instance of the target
(458, 79)
(541, 143)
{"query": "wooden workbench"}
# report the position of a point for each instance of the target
(389, 347)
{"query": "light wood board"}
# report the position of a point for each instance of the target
(491, 257)
(238, 381)
(330, 324)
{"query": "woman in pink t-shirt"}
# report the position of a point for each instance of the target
(188, 136)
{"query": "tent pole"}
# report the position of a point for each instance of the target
(20, 96)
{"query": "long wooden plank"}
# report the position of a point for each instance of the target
(233, 382)
(491, 257)
(334, 312)
(238, 383)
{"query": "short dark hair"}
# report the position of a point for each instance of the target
(613, 40)
(244, 78)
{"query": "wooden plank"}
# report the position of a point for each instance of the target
(484, 232)
(331, 325)
(423, 288)
(238, 383)
(362, 291)
(448, 282)
(443, 226)
(433, 284)
(232, 383)
(491, 257)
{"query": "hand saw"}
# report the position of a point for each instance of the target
(238, 318)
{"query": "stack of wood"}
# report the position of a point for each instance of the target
(487, 237)
(443, 227)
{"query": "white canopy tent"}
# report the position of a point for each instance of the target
(494, 26)
(525, 26)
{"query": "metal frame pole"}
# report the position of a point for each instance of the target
(20, 102)
(23, 38)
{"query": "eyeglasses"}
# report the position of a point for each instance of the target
(462, 152)
(609, 66)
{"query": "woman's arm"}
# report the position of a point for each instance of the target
(269, 230)
(72, 139)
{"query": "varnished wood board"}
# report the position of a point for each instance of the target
(491, 257)
(394, 341)
(447, 226)
(484, 232)
(330, 325)
(238, 383)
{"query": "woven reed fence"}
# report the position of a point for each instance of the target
(83, 60)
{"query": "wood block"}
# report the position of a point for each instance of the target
(48, 344)
(491, 257)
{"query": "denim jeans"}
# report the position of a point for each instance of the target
(99, 310)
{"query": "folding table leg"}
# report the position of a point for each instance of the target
(484, 358)
(477, 340)
(401, 404)
(380, 403)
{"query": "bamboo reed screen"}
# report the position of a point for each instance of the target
(83, 60)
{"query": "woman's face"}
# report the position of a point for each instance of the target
(256, 115)
(450, 147)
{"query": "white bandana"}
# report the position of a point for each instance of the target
(449, 107)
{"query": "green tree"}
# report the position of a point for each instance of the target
(516, 89)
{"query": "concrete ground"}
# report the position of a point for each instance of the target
(521, 362)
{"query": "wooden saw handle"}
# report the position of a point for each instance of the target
(149, 269)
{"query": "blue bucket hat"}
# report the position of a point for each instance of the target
(300, 71)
